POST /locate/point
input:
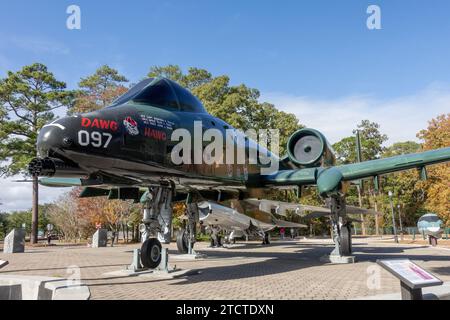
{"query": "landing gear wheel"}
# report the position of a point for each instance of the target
(151, 253)
(219, 241)
(266, 239)
(345, 241)
(182, 241)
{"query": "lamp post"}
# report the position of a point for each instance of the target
(393, 218)
(399, 207)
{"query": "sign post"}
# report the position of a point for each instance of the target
(412, 277)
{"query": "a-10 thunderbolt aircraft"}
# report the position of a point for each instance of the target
(148, 138)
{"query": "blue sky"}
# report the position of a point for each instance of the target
(316, 59)
(313, 48)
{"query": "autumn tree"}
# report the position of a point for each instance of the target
(99, 90)
(64, 215)
(28, 99)
(116, 214)
(437, 135)
(408, 197)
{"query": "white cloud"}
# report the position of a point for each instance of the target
(40, 45)
(18, 195)
(400, 118)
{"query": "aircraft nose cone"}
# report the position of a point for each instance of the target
(51, 137)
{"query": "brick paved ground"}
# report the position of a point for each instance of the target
(283, 270)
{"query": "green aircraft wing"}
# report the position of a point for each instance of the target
(329, 180)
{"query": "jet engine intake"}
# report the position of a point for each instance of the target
(48, 167)
(310, 148)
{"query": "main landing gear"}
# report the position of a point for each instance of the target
(216, 239)
(186, 237)
(266, 238)
(342, 236)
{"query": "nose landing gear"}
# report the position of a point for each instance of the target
(156, 224)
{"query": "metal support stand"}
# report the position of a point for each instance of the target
(136, 262)
(162, 271)
(432, 240)
(164, 265)
(410, 294)
(136, 265)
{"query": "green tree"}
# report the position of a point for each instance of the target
(237, 105)
(371, 148)
(400, 148)
(371, 143)
(99, 90)
(27, 100)
(17, 219)
(3, 224)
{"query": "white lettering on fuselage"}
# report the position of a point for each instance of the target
(213, 153)
(95, 139)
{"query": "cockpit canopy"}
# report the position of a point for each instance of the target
(162, 93)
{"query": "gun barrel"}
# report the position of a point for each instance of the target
(50, 167)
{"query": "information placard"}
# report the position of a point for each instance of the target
(410, 273)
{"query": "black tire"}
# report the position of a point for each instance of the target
(345, 243)
(151, 253)
(267, 238)
(219, 241)
(182, 241)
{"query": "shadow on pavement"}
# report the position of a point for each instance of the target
(61, 268)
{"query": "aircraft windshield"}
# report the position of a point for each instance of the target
(159, 94)
(132, 92)
(188, 102)
(163, 93)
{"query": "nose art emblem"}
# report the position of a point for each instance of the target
(131, 126)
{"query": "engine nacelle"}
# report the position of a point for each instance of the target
(310, 148)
